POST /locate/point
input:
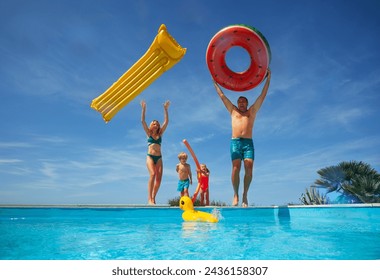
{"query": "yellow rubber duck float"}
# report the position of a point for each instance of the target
(190, 214)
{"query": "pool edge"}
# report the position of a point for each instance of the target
(376, 205)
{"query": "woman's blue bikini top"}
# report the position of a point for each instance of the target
(151, 140)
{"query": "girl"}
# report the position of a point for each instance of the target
(203, 178)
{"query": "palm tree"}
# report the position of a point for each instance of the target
(332, 178)
(365, 187)
(356, 181)
(313, 197)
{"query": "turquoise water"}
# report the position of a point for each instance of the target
(333, 233)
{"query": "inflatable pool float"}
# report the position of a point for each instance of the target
(162, 55)
(192, 153)
(196, 164)
(192, 215)
(253, 42)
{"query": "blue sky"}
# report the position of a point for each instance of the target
(56, 56)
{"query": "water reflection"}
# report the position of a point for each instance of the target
(197, 229)
(284, 217)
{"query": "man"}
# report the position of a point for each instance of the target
(242, 121)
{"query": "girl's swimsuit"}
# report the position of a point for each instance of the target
(203, 180)
(151, 141)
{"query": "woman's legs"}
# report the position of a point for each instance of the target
(152, 176)
(158, 178)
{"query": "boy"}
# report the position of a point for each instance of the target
(184, 172)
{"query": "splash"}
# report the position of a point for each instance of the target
(217, 214)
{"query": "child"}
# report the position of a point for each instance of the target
(203, 176)
(184, 172)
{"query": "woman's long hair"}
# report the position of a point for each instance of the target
(151, 129)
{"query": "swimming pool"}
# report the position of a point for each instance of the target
(159, 233)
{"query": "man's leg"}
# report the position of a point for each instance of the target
(235, 178)
(248, 168)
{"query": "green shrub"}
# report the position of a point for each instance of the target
(175, 202)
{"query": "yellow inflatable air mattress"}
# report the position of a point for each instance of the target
(162, 55)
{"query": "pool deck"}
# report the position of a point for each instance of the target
(377, 205)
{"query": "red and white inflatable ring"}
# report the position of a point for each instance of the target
(253, 42)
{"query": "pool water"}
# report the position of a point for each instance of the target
(273, 233)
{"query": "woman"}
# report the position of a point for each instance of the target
(154, 158)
